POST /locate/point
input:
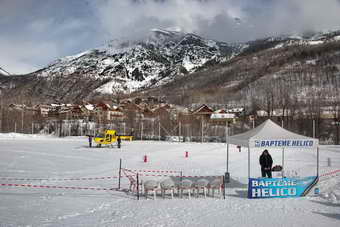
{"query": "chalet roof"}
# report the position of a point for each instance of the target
(89, 107)
(235, 110)
(131, 106)
(219, 116)
(220, 111)
(103, 105)
(117, 108)
(203, 110)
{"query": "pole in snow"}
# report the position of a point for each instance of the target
(179, 131)
(141, 132)
(137, 186)
(120, 172)
(224, 186)
(22, 121)
(181, 183)
(248, 162)
(159, 130)
(202, 128)
(283, 162)
(227, 157)
(317, 164)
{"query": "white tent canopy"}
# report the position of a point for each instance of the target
(269, 134)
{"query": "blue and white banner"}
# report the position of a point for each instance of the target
(280, 187)
(285, 143)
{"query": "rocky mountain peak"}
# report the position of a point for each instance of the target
(160, 58)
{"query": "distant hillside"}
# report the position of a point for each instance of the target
(124, 66)
(276, 68)
(186, 68)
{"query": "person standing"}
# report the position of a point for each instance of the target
(90, 140)
(119, 141)
(266, 163)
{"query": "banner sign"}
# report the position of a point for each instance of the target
(285, 143)
(280, 187)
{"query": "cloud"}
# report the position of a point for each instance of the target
(134, 19)
(216, 18)
(24, 56)
(36, 32)
(305, 15)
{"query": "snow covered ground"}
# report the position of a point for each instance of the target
(49, 161)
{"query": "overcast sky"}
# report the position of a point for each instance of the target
(33, 33)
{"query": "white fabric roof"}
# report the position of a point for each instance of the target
(269, 134)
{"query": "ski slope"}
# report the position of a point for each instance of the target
(87, 194)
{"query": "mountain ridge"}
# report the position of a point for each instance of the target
(138, 66)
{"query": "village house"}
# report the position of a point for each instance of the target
(220, 117)
(103, 111)
(117, 113)
(203, 112)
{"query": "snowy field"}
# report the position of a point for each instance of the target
(68, 162)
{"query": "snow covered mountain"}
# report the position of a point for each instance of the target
(298, 69)
(170, 62)
(131, 66)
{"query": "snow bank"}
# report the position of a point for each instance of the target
(54, 159)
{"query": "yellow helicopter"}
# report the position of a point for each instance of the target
(109, 137)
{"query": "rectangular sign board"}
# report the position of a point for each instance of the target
(285, 143)
(279, 187)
